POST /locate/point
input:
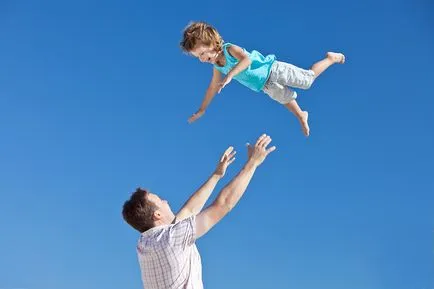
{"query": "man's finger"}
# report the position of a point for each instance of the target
(229, 150)
(226, 153)
(231, 161)
(260, 138)
(232, 155)
(272, 149)
(263, 140)
(266, 142)
(249, 147)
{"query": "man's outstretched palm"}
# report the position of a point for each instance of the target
(226, 159)
(259, 151)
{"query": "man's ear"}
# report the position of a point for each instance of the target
(157, 215)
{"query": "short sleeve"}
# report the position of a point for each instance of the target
(183, 233)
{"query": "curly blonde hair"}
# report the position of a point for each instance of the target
(200, 33)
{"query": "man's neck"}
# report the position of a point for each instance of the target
(165, 221)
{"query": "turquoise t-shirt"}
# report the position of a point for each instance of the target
(255, 76)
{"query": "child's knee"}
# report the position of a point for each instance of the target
(280, 93)
(309, 80)
(288, 96)
(309, 84)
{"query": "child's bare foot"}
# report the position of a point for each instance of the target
(336, 57)
(304, 124)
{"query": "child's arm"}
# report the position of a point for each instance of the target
(243, 62)
(209, 95)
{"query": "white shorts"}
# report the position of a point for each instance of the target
(283, 75)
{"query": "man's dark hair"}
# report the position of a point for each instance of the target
(138, 211)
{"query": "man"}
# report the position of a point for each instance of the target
(166, 249)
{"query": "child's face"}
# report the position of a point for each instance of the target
(205, 53)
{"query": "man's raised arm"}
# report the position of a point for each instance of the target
(196, 202)
(232, 192)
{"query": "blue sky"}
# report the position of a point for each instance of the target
(94, 101)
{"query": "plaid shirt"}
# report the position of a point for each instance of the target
(169, 258)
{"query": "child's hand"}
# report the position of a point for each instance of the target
(196, 115)
(225, 82)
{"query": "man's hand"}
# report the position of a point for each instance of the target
(225, 82)
(196, 202)
(259, 151)
(230, 195)
(196, 115)
(226, 159)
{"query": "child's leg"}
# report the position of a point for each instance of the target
(330, 59)
(302, 116)
(287, 96)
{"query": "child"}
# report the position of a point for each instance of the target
(251, 69)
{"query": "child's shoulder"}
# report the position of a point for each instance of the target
(234, 50)
(229, 44)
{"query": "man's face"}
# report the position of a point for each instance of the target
(162, 205)
(205, 53)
